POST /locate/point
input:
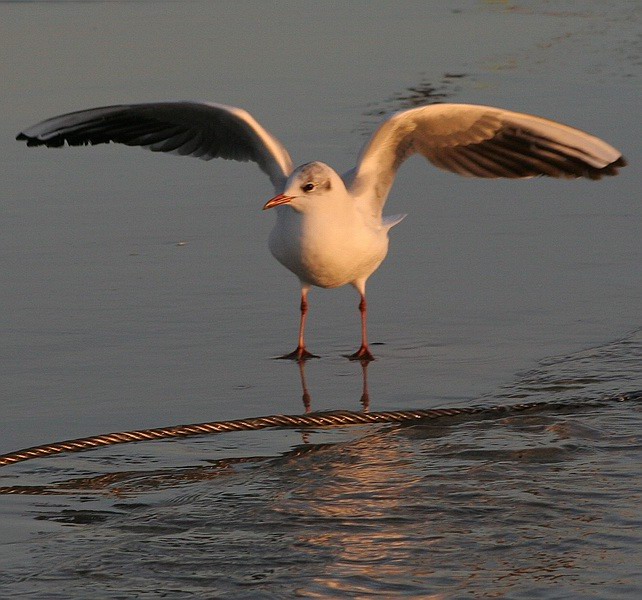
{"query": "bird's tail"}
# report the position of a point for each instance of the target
(392, 220)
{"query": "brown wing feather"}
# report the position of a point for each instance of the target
(199, 129)
(478, 141)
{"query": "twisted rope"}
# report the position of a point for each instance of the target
(337, 418)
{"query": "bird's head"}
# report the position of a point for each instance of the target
(308, 186)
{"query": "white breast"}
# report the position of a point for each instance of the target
(328, 248)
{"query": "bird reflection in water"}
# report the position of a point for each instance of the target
(307, 397)
(132, 482)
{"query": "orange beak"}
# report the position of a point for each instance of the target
(277, 201)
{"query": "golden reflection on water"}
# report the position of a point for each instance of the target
(354, 498)
(488, 508)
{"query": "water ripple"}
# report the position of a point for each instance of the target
(542, 505)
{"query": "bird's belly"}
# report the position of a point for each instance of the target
(328, 259)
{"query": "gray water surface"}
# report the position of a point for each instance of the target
(138, 292)
(532, 505)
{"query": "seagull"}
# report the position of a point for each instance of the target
(330, 230)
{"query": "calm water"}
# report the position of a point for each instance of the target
(493, 291)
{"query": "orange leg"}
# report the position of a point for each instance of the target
(364, 351)
(301, 352)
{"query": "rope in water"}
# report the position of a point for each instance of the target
(311, 420)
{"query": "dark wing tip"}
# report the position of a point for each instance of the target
(609, 170)
(31, 141)
(55, 142)
(620, 162)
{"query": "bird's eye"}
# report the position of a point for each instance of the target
(308, 187)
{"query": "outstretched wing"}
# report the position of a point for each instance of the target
(201, 129)
(478, 141)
